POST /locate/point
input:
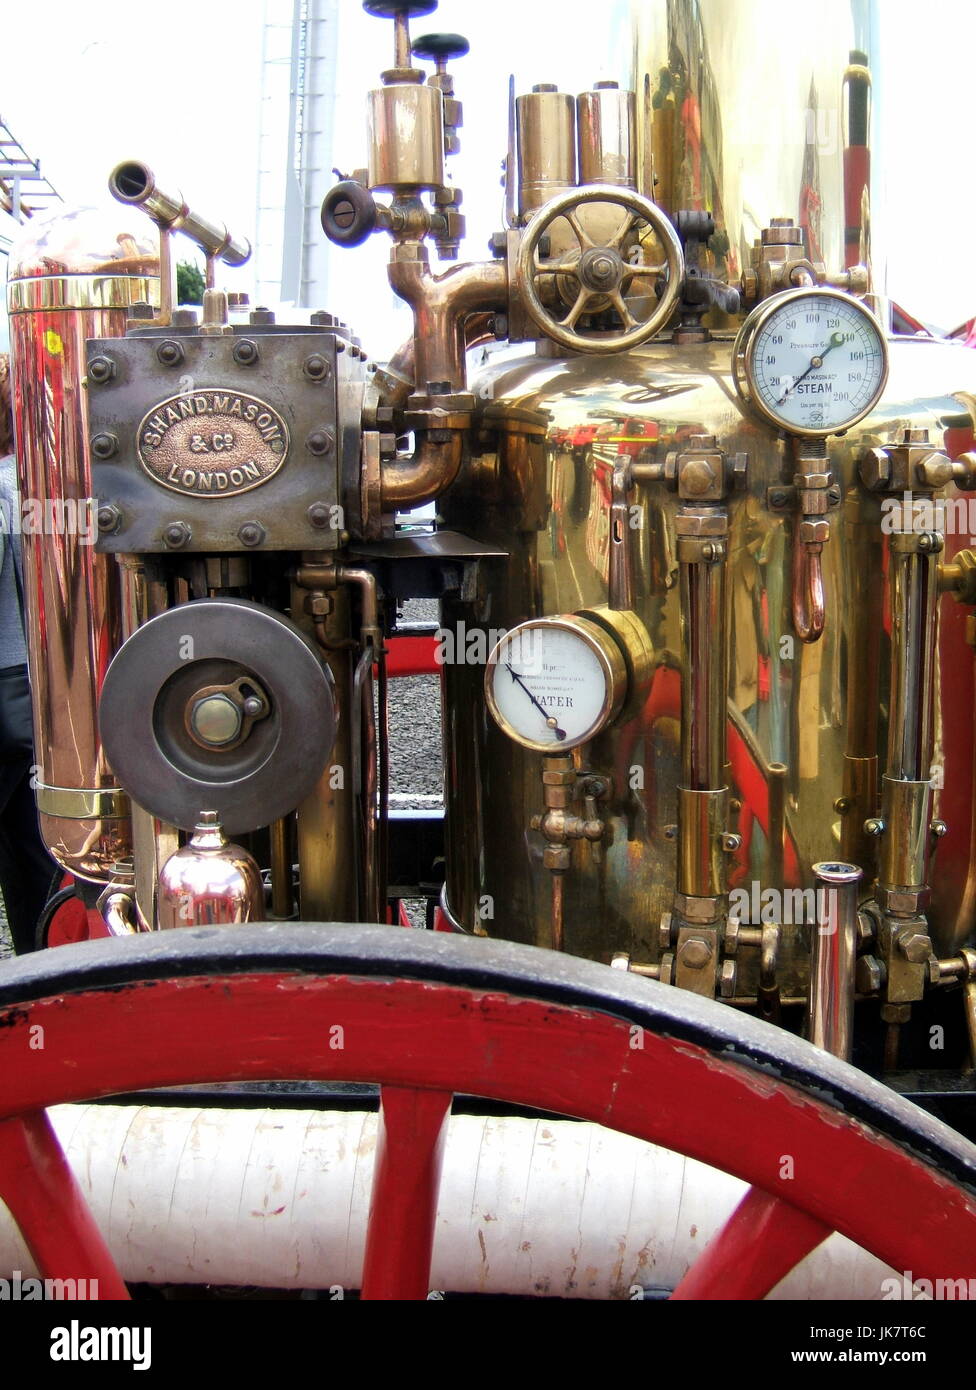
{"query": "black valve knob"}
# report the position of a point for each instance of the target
(348, 213)
(440, 48)
(389, 9)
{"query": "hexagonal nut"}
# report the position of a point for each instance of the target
(934, 471)
(727, 979)
(698, 910)
(731, 938)
(695, 952)
(177, 534)
(620, 961)
(904, 902)
(915, 946)
(318, 605)
(697, 478)
(813, 532)
(868, 975)
(875, 469)
(556, 857)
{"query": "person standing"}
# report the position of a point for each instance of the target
(27, 872)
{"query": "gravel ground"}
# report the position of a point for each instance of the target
(6, 946)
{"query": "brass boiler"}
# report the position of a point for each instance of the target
(71, 277)
(786, 176)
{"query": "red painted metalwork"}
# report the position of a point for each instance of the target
(411, 656)
(410, 1033)
(49, 1207)
(761, 1242)
(403, 1203)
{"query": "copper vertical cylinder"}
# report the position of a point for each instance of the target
(830, 1007)
(71, 277)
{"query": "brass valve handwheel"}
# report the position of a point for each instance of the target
(599, 269)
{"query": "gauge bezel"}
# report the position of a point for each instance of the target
(743, 359)
(612, 664)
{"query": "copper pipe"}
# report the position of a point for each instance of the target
(809, 601)
(412, 480)
(439, 304)
(557, 909)
(830, 1005)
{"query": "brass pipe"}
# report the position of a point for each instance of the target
(833, 947)
(703, 707)
(134, 183)
(282, 898)
(776, 792)
(914, 584)
(967, 906)
(439, 304)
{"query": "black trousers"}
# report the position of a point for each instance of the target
(27, 871)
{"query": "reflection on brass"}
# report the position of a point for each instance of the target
(209, 882)
(546, 125)
(78, 803)
(833, 937)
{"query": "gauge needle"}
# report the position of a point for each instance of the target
(551, 722)
(835, 341)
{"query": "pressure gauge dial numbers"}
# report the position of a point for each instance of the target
(811, 362)
(553, 683)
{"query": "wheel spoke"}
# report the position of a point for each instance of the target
(581, 301)
(582, 236)
(49, 1207)
(616, 240)
(403, 1203)
(761, 1242)
(617, 300)
(633, 272)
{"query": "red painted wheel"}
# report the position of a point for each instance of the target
(426, 1015)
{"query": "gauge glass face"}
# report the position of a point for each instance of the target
(548, 686)
(818, 363)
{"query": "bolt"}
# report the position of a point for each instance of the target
(874, 826)
(318, 515)
(100, 370)
(939, 828)
(875, 469)
(141, 310)
(670, 832)
(177, 534)
(103, 446)
(778, 497)
(833, 495)
(915, 947)
(245, 353)
(261, 315)
(867, 975)
(109, 517)
(316, 367)
(697, 476)
(322, 319)
(319, 442)
(695, 953)
(730, 843)
(727, 979)
(842, 805)
(171, 354)
(184, 318)
(930, 542)
(251, 533)
(253, 706)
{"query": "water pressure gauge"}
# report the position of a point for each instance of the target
(554, 683)
(810, 361)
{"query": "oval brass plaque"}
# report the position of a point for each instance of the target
(212, 443)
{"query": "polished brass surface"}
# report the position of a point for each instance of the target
(818, 710)
(749, 119)
(606, 125)
(406, 137)
(546, 129)
(830, 1010)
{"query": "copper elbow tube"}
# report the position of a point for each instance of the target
(809, 601)
(423, 475)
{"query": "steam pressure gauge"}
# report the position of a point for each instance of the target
(810, 361)
(554, 683)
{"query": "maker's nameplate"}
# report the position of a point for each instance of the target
(212, 443)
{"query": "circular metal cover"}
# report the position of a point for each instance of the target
(205, 643)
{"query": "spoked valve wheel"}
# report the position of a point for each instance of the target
(824, 1147)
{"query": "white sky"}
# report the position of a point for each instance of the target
(84, 85)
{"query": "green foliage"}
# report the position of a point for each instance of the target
(189, 283)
